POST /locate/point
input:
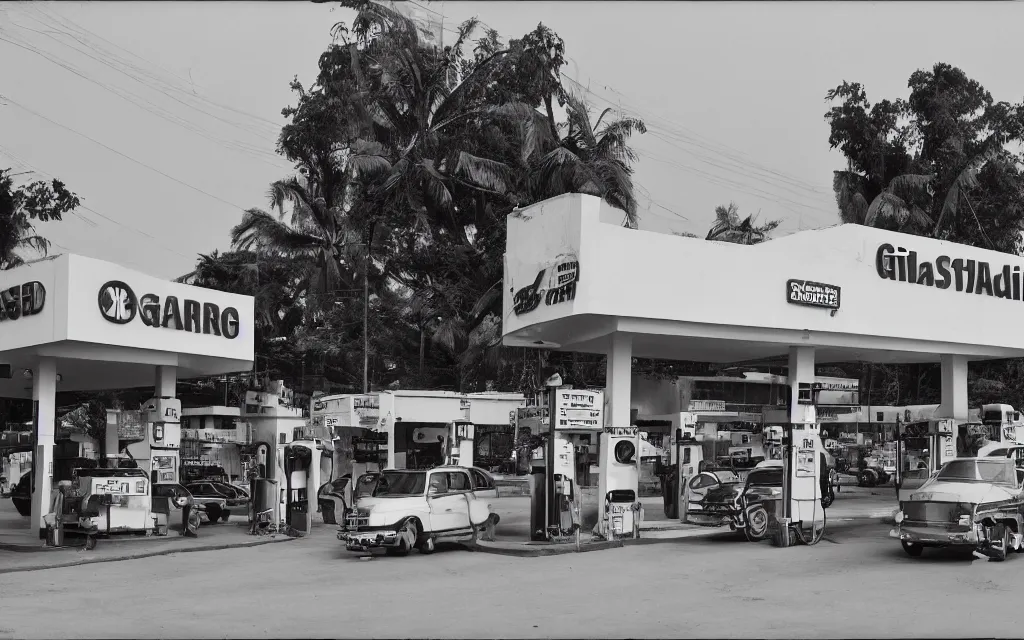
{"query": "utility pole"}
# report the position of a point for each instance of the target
(366, 322)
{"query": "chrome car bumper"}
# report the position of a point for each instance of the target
(366, 540)
(934, 536)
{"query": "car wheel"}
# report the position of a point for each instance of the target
(213, 512)
(427, 546)
(866, 479)
(224, 516)
(757, 523)
(488, 528)
(1002, 533)
(913, 550)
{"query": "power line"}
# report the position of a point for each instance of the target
(255, 152)
(156, 241)
(786, 182)
(123, 155)
(70, 24)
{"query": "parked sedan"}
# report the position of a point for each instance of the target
(404, 510)
(205, 491)
(972, 503)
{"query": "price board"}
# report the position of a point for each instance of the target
(579, 409)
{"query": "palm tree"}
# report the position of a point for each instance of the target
(276, 284)
(729, 228)
(899, 205)
(591, 157)
(317, 232)
(896, 205)
(423, 125)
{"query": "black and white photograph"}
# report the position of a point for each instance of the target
(511, 319)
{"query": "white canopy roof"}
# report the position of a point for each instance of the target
(574, 276)
(108, 326)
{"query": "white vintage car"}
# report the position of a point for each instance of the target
(401, 510)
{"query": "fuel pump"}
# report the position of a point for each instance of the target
(921, 449)
(459, 444)
(369, 455)
(300, 478)
(162, 416)
(620, 513)
(801, 494)
(689, 458)
(685, 456)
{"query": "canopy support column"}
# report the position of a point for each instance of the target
(44, 398)
(954, 388)
(618, 391)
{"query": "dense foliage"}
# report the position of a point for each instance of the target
(945, 163)
(21, 207)
(408, 159)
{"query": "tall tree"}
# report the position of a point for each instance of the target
(21, 207)
(939, 163)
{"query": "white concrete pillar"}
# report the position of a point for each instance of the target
(954, 388)
(618, 392)
(44, 397)
(618, 380)
(801, 487)
(166, 382)
(112, 443)
(801, 369)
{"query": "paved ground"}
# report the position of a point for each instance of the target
(858, 584)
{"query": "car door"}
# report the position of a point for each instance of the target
(483, 485)
(448, 505)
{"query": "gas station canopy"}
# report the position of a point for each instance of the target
(574, 277)
(108, 326)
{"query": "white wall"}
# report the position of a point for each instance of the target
(40, 328)
(87, 324)
(653, 276)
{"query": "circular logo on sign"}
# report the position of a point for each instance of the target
(117, 302)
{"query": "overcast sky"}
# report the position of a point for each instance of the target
(163, 116)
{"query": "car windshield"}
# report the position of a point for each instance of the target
(765, 478)
(401, 483)
(993, 471)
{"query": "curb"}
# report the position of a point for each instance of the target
(540, 551)
(151, 554)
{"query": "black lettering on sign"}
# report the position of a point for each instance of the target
(211, 319)
(963, 274)
(149, 310)
(812, 294)
(229, 323)
(561, 288)
(192, 321)
(528, 298)
(172, 314)
(119, 305)
(22, 301)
